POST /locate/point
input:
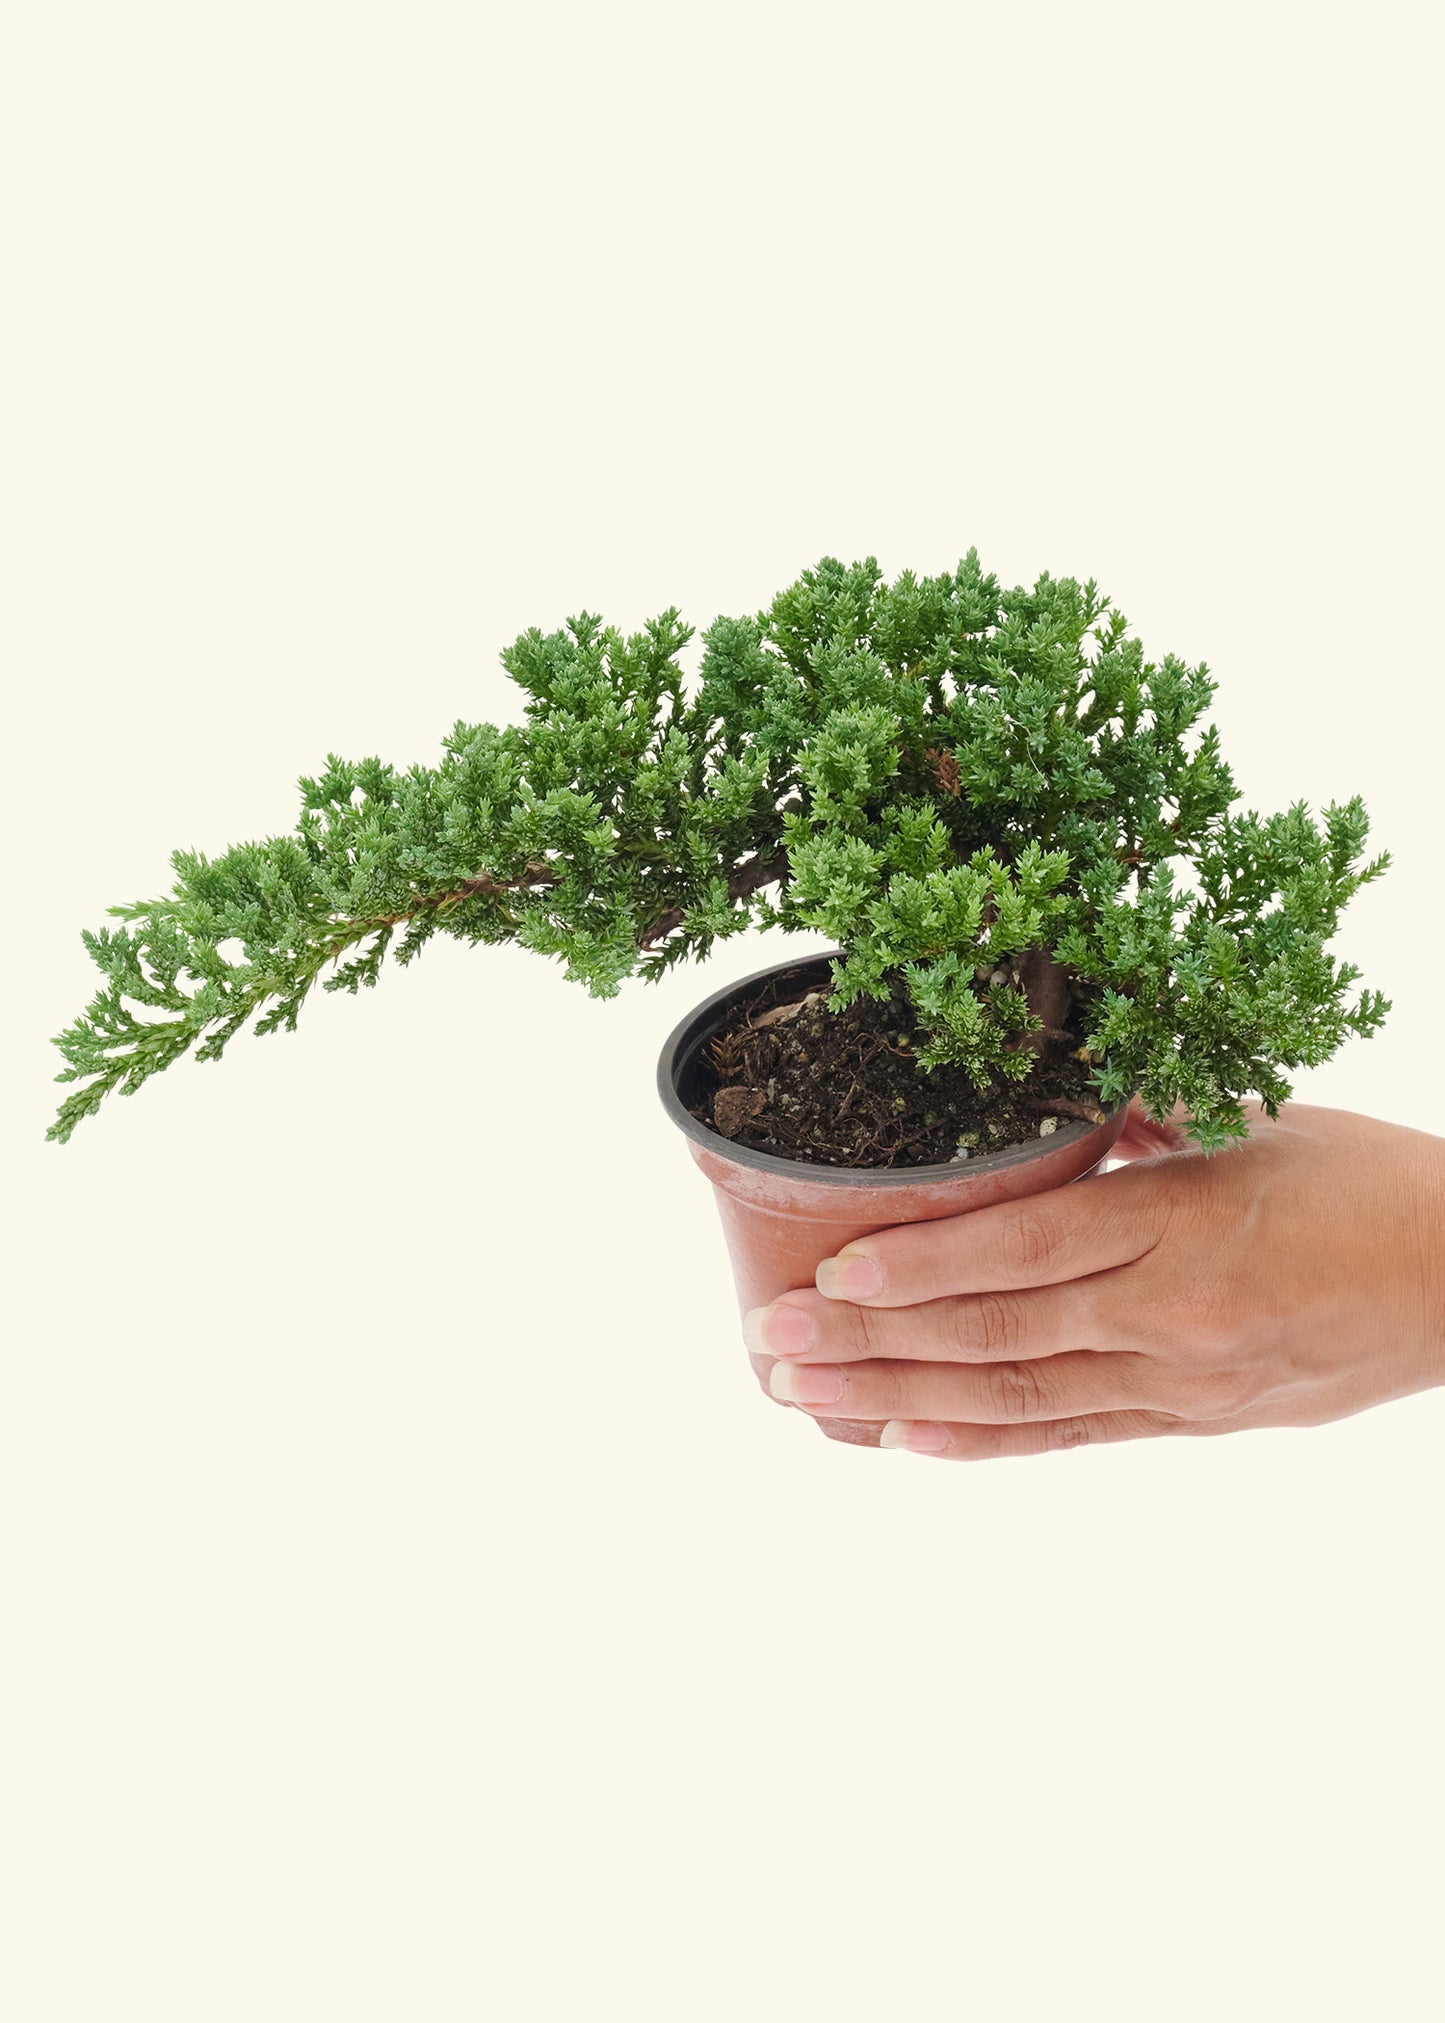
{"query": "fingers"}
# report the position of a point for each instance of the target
(986, 1394)
(1047, 1436)
(1090, 1226)
(971, 1328)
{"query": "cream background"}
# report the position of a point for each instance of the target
(411, 1610)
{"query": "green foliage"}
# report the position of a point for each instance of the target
(940, 774)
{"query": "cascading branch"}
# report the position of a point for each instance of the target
(988, 794)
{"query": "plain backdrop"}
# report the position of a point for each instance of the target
(410, 1607)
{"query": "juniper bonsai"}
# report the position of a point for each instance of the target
(987, 796)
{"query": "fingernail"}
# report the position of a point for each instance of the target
(845, 1277)
(919, 1436)
(806, 1383)
(778, 1331)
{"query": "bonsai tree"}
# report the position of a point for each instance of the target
(988, 798)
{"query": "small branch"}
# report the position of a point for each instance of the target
(747, 879)
(484, 885)
(1134, 855)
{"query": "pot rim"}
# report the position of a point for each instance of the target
(705, 1017)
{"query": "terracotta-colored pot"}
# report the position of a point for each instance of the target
(782, 1217)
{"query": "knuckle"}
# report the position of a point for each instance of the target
(1061, 1434)
(1086, 1312)
(1016, 1392)
(986, 1326)
(1026, 1240)
(886, 1383)
(1200, 1429)
(1230, 1394)
(1215, 1394)
(869, 1327)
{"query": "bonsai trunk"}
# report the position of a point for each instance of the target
(1045, 983)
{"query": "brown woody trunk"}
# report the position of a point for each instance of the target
(1045, 983)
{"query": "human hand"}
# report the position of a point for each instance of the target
(1295, 1277)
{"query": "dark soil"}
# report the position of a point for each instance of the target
(786, 1075)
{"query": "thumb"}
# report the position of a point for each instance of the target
(1146, 1137)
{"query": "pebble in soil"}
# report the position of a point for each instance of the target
(790, 1077)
